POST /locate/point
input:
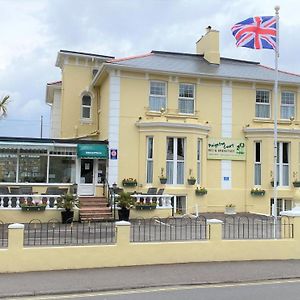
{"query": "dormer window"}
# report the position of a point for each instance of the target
(86, 107)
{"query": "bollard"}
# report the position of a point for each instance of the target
(15, 236)
(123, 233)
(215, 229)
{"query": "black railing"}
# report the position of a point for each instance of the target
(3, 235)
(55, 233)
(169, 229)
(257, 228)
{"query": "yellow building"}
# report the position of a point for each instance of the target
(182, 116)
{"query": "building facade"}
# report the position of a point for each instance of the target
(199, 120)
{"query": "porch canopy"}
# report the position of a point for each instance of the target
(92, 151)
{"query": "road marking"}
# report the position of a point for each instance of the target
(158, 289)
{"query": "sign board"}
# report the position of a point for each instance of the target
(92, 151)
(226, 149)
(113, 153)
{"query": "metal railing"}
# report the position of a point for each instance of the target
(54, 233)
(169, 229)
(3, 235)
(257, 228)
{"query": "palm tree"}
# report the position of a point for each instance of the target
(3, 106)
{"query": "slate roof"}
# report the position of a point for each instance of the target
(195, 64)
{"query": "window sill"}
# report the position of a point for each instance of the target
(270, 121)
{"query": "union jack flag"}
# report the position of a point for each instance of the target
(256, 33)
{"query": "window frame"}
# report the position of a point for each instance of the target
(288, 105)
(257, 163)
(149, 179)
(263, 103)
(187, 98)
(82, 118)
(158, 96)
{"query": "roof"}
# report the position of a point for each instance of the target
(48, 140)
(196, 65)
(86, 54)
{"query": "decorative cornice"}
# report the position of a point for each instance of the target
(270, 131)
(200, 127)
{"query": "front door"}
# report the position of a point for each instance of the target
(86, 185)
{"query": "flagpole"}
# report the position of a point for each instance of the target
(275, 119)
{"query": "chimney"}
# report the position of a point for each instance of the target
(208, 45)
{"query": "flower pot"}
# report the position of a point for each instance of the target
(200, 193)
(257, 193)
(163, 180)
(129, 184)
(34, 208)
(296, 183)
(191, 181)
(124, 214)
(145, 207)
(230, 210)
(67, 216)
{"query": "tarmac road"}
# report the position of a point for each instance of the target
(110, 279)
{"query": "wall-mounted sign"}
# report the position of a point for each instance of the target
(92, 151)
(227, 149)
(113, 153)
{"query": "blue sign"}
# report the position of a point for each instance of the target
(226, 178)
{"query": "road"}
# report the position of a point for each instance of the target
(266, 290)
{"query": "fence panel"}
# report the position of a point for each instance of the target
(170, 229)
(257, 228)
(3, 235)
(54, 233)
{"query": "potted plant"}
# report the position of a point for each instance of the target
(257, 192)
(200, 191)
(191, 180)
(145, 206)
(129, 182)
(162, 178)
(124, 203)
(32, 205)
(230, 209)
(68, 202)
(296, 182)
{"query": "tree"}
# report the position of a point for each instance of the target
(3, 106)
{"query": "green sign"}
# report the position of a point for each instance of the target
(92, 151)
(227, 149)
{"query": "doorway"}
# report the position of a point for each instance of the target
(86, 184)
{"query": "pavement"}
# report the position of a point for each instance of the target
(105, 279)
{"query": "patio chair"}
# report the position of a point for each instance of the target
(26, 190)
(151, 191)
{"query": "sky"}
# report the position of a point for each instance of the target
(33, 31)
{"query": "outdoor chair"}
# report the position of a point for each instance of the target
(160, 192)
(151, 191)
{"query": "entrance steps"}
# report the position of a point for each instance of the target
(94, 209)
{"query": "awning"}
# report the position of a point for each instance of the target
(92, 151)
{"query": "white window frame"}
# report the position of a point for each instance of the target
(149, 160)
(257, 162)
(280, 164)
(199, 156)
(192, 99)
(263, 104)
(174, 161)
(288, 105)
(160, 97)
(82, 118)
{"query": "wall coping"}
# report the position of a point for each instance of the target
(16, 226)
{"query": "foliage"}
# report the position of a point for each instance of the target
(124, 200)
(257, 191)
(129, 181)
(162, 175)
(200, 190)
(67, 201)
(230, 205)
(3, 106)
